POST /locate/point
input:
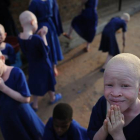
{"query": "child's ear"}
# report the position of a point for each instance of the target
(2, 58)
(5, 34)
(139, 89)
(32, 21)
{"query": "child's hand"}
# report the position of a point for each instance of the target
(43, 31)
(115, 122)
(105, 128)
(1, 84)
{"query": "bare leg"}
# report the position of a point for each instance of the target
(68, 35)
(35, 102)
(53, 96)
(55, 70)
(87, 47)
(107, 59)
(70, 31)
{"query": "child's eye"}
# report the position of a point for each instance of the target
(108, 85)
(125, 85)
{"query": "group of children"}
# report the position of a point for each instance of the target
(115, 115)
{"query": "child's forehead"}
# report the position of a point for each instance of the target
(1, 28)
(58, 121)
(121, 72)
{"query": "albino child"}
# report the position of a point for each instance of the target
(108, 41)
(18, 121)
(6, 49)
(35, 48)
(116, 115)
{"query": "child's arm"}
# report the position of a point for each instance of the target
(123, 37)
(102, 132)
(13, 94)
(42, 32)
(115, 124)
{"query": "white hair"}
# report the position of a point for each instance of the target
(127, 60)
(126, 16)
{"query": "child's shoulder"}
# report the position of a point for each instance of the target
(7, 45)
(101, 106)
(77, 130)
(36, 36)
(50, 122)
(17, 70)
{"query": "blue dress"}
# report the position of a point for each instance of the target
(18, 121)
(44, 13)
(85, 24)
(98, 115)
(75, 132)
(108, 41)
(41, 75)
(56, 18)
(9, 51)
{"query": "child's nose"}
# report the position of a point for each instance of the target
(59, 129)
(116, 92)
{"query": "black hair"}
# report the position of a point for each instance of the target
(63, 111)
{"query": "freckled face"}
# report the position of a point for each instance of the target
(60, 126)
(121, 87)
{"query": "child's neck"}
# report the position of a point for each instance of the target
(2, 46)
(6, 72)
(26, 33)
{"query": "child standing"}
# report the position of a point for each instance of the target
(85, 24)
(6, 49)
(62, 127)
(41, 76)
(108, 40)
(18, 121)
(44, 10)
(116, 115)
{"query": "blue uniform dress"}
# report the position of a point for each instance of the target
(56, 18)
(108, 41)
(9, 51)
(41, 75)
(75, 132)
(18, 121)
(85, 24)
(44, 13)
(98, 115)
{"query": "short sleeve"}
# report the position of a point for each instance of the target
(49, 133)
(78, 132)
(97, 117)
(21, 83)
(124, 26)
(11, 54)
(44, 49)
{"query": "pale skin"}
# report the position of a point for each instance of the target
(4, 75)
(3, 35)
(121, 89)
(113, 125)
(30, 26)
